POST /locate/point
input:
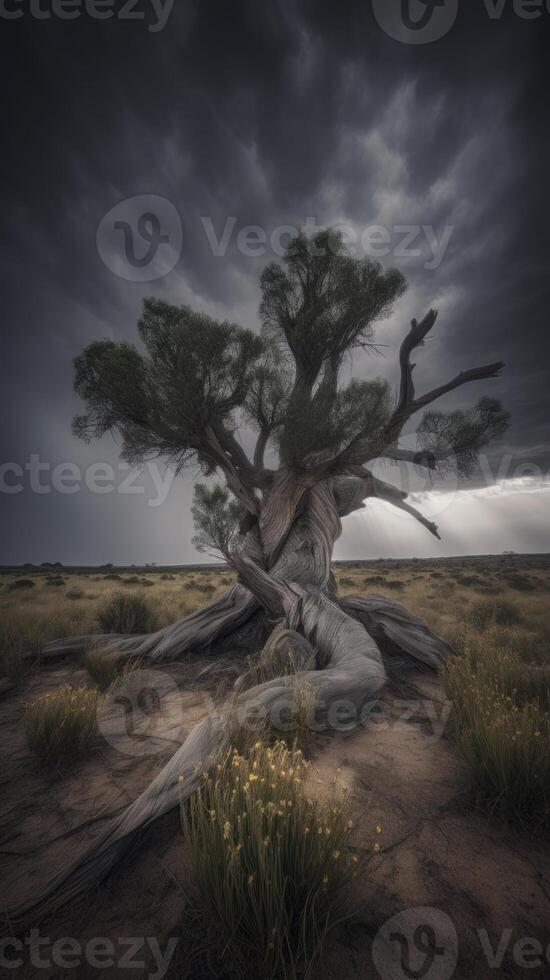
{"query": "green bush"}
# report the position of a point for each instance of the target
(127, 614)
(272, 864)
(61, 726)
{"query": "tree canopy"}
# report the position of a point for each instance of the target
(183, 396)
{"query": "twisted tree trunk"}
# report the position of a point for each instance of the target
(346, 648)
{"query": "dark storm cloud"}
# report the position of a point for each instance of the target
(267, 113)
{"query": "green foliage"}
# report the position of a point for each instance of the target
(129, 614)
(181, 397)
(328, 421)
(325, 302)
(267, 396)
(217, 516)
(458, 437)
(272, 863)
(195, 373)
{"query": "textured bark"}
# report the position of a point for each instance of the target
(347, 649)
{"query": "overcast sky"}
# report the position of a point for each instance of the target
(214, 116)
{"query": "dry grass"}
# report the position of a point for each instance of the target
(32, 617)
(62, 725)
(127, 614)
(105, 668)
(496, 614)
(501, 724)
(272, 862)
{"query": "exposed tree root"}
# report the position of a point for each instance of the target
(347, 676)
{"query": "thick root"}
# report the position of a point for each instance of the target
(353, 675)
(198, 631)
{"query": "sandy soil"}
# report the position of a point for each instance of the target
(404, 776)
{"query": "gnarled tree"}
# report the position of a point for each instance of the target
(277, 514)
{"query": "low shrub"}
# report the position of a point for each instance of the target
(21, 583)
(127, 614)
(271, 863)
(485, 613)
(61, 726)
(74, 594)
(520, 582)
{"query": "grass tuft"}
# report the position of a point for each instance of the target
(128, 614)
(61, 726)
(502, 727)
(104, 668)
(271, 862)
